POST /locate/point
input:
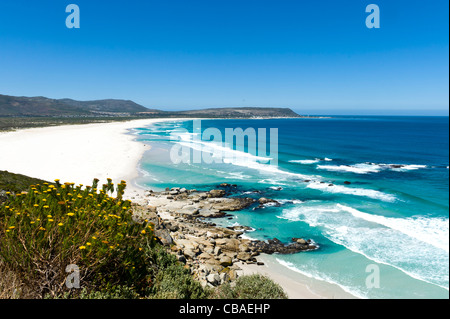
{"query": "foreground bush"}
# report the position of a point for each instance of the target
(251, 287)
(50, 227)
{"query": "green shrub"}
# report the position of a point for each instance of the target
(176, 282)
(251, 287)
(49, 227)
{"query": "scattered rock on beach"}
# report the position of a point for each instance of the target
(210, 252)
(215, 193)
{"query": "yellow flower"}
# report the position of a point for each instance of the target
(49, 216)
(88, 244)
(12, 227)
(50, 220)
(82, 247)
(57, 180)
(31, 223)
(143, 232)
(41, 228)
(60, 224)
(93, 237)
(36, 205)
(70, 214)
(46, 206)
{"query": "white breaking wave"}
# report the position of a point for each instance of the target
(339, 189)
(408, 167)
(306, 162)
(276, 188)
(236, 157)
(417, 246)
(366, 168)
(433, 231)
(247, 160)
(358, 168)
(290, 201)
(217, 149)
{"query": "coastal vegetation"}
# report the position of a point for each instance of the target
(28, 112)
(25, 122)
(47, 230)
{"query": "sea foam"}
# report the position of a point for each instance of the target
(367, 168)
(306, 162)
(339, 189)
(416, 246)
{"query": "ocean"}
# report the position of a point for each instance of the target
(372, 192)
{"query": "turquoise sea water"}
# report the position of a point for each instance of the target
(393, 218)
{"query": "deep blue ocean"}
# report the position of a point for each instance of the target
(372, 192)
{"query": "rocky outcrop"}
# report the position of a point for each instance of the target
(276, 246)
(263, 202)
(212, 253)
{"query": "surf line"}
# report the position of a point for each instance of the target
(210, 146)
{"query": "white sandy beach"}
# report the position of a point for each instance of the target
(75, 153)
(80, 153)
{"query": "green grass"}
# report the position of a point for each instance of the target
(16, 123)
(44, 227)
(51, 226)
(11, 182)
(251, 287)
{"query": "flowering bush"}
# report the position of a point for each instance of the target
(51, 226)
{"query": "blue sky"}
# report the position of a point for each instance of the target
(317, 57)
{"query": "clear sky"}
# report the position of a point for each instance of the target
(315, 56)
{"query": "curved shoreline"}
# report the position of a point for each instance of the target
(80, 153)
(297, 286)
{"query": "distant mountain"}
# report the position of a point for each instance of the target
(242, 112)
(46, 107)
(42, 106)
(115, 106)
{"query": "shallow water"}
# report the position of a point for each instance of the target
(393, 217)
